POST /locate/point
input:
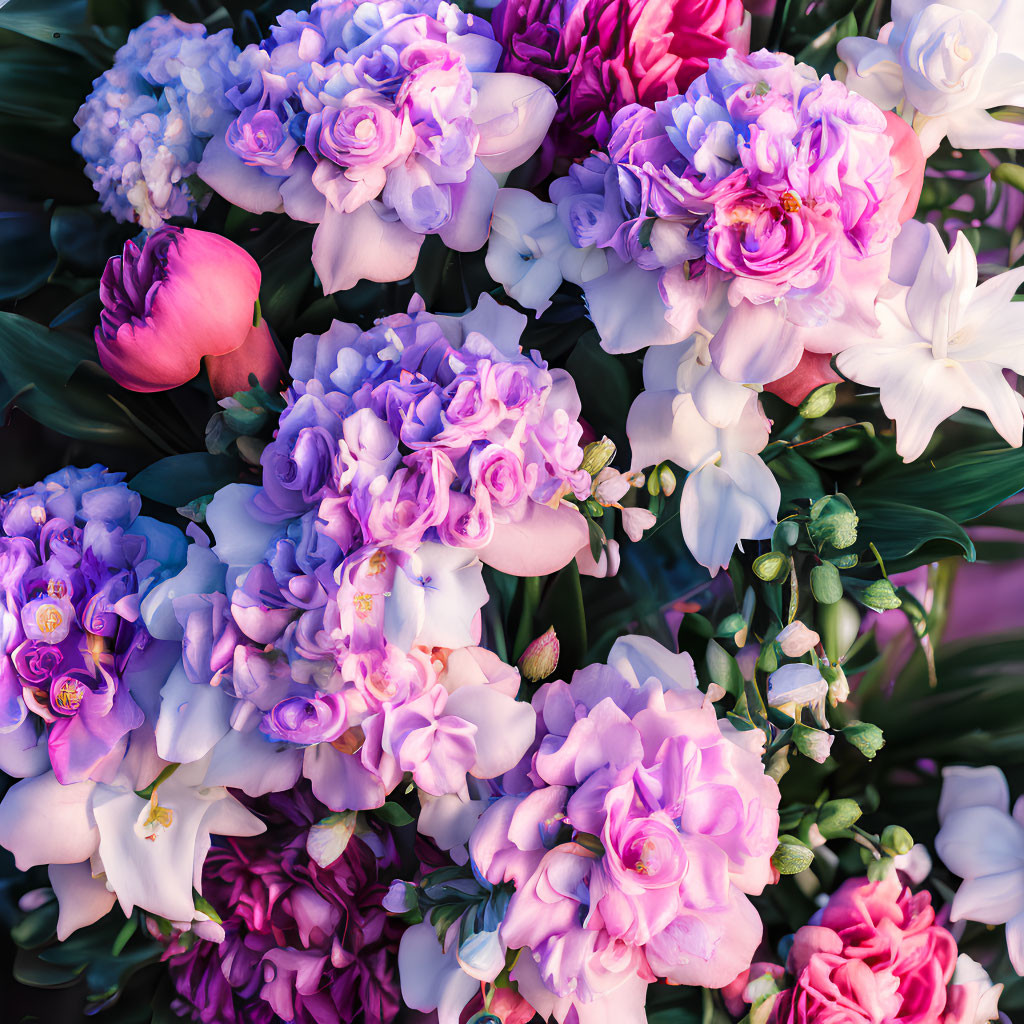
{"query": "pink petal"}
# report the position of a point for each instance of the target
(545, 540)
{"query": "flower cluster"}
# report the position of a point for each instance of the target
(400, 722)
(301, 941)
(632, 833)
(144, 126)
(334, 622)
(601, 55)
(875, 954)
(75, 559)
(377, 120)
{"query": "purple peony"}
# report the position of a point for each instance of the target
(303, 943)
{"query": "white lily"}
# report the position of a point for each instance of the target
(944, 341)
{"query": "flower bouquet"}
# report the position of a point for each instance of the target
(525, 520)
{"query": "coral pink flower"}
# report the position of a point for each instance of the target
(186, 296)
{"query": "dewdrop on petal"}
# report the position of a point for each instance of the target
(540, 658)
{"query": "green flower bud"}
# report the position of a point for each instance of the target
(881, 596)
(667, 479)
(836, 816)
(867, 738)
(896, 840)
(818, 402)
(791, 856)
(597, 455)
(826, 586)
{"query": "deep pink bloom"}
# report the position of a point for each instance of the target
(877, 957)
(600, 55)
(185, 296)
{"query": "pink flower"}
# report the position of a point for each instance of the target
(877, 957)
(634, 834)
(184, 297)
(600, 55)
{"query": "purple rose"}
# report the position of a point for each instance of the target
(307, 720)
(365, 137)
(261, 138)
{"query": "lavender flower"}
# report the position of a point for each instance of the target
(143, 128)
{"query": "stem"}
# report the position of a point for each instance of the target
(531, 600)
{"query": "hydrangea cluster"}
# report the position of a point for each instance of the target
(75, 559)
(301, 941)
(143, 128)
(632, 832)
(336, 616)
(378, 121)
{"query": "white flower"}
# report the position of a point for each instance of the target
(529, 251)
(984, 844)
(795, 686)
(147, 852)
(944, 66)
(944, 341)
(714, 428)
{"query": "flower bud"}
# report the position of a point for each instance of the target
(540, 658)
(833, 521)
(867, 738)
(400, 898)
(818, 402)
(896, 840)
(791, 857)
(597, 455)
(836, 816)
(838, 686)
(796, 640)
(667, 479)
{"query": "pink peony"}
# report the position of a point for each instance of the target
(185, 297)
(877, 957)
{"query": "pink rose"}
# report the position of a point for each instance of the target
(877, 956)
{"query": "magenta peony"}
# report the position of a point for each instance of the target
(186, 296)
(302, 943)
(877, 957)
(600, 55)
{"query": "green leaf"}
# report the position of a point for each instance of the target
(394, 814)
(60, 23)
(35, 366)
(900, 530)
(37, 927)
(826, 585)
(179, 479)
(26, 257)
(961, 487)
(722, 669)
